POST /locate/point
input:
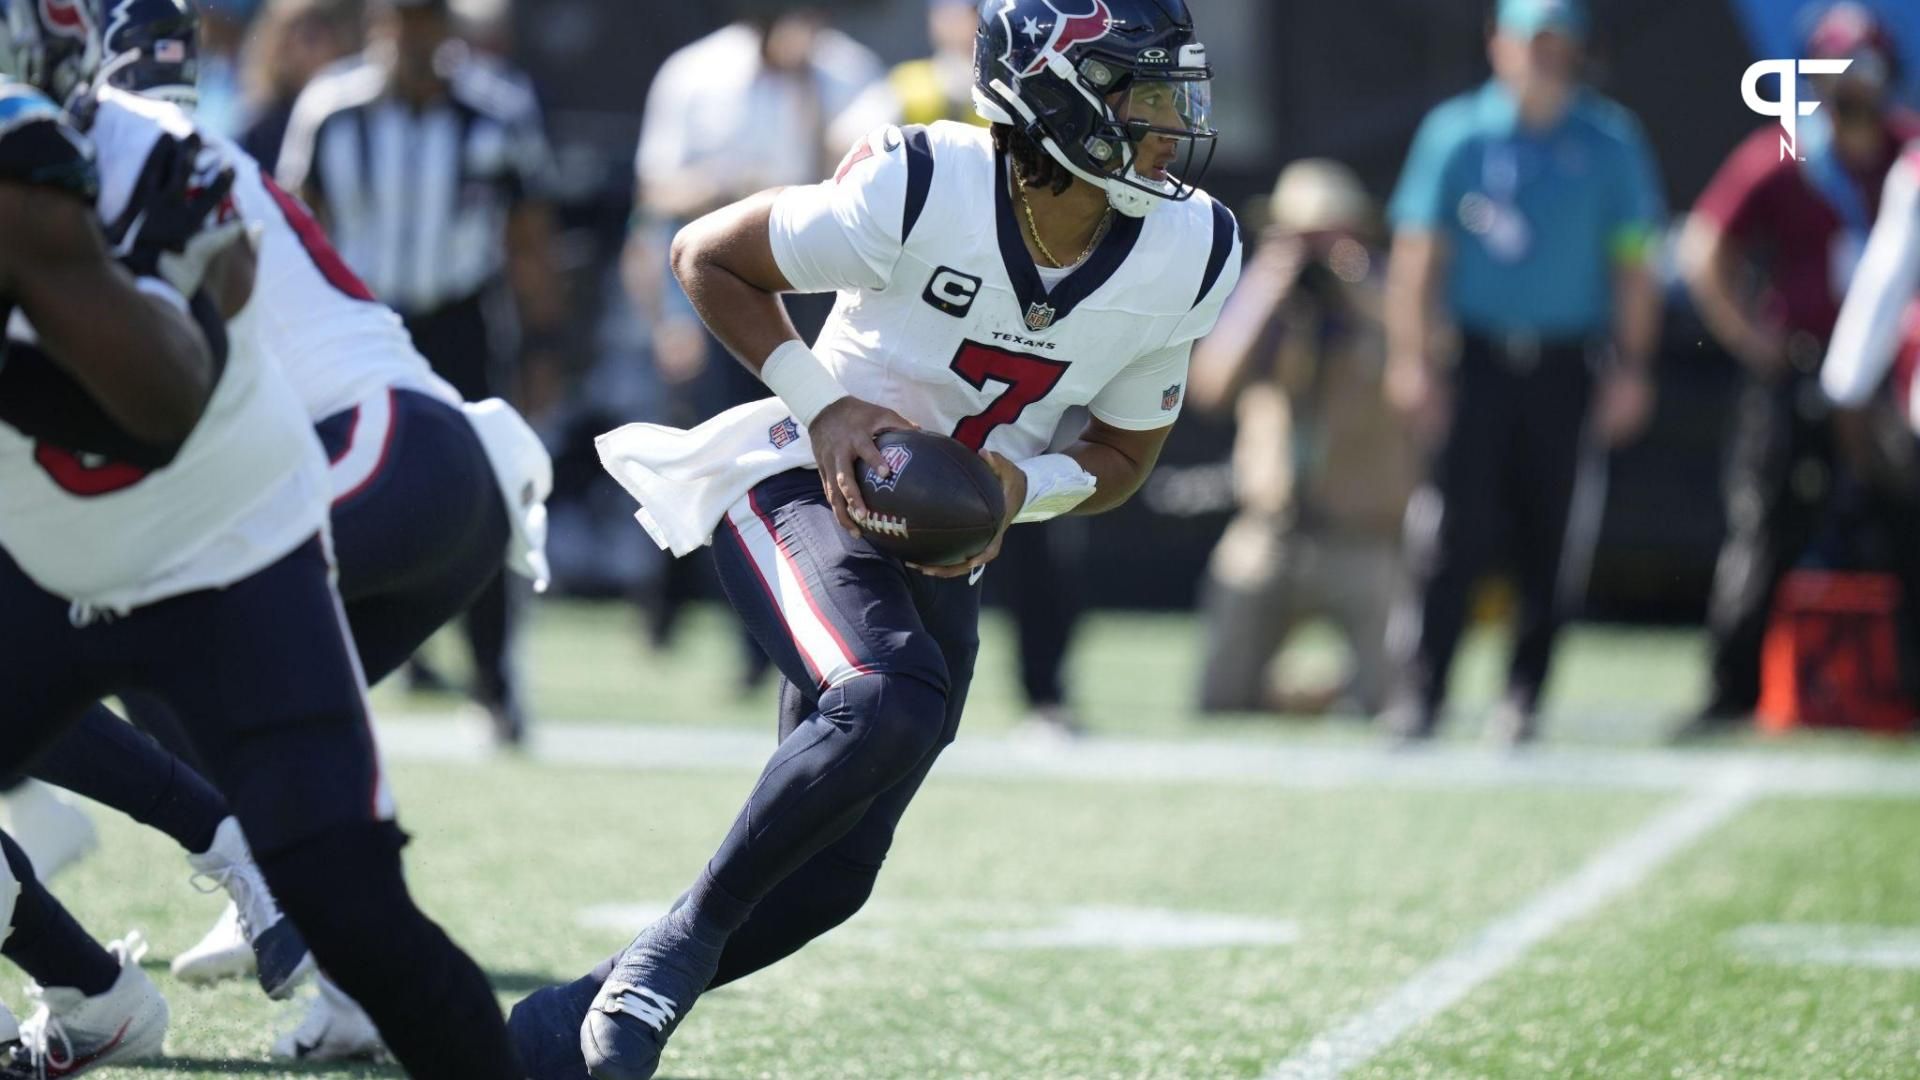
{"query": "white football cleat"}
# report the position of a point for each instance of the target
(53, 831)
(71, 1033)
(252, 934)
(334, 1029)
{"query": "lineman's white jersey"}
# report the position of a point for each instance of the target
(249, 485)
(943, 317)
(337, 344)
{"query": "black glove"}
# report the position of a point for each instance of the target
(164, 231)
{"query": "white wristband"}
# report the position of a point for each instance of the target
(1055, 485)
(801, 380)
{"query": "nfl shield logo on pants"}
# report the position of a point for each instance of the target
(1039, 316)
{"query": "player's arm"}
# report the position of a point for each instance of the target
(726, 266)
(839, 235)
(137, 354)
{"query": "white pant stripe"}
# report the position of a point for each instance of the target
(819, 644)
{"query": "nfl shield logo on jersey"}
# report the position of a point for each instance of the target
(783, 434)
(1039, 315)
(896, 458)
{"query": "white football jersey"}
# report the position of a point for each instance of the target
(249, 485)
(943, 317)
(337, 344)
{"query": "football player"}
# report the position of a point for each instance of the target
(988, 280)
(429, 498)
(120, 364)
(205, 579)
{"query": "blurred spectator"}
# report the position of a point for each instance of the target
(1322, 466)
(1798, 225)
(1531, 207)
(293, 40)
(769, 100)
(430, 168)
(940, 87)
(223, 31)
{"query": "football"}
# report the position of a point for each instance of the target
(941, 504)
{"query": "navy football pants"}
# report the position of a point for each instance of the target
(264, 675)
(876, 660)
(419, 529)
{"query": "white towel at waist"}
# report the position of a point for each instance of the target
(686, 480)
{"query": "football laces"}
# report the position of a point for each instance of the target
(885, 524)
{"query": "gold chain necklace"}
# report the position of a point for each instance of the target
(1099, 231)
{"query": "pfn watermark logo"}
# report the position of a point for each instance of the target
(1789, 109)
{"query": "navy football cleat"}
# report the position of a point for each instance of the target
(545, 1029)
(652, 988)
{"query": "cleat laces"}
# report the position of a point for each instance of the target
(650, 1008)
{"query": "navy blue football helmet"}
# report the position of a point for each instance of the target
(1119, 92)
(51, 45)
(152, 48)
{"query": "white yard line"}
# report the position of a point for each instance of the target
(1437, 987)
(1881, 948)
(1211, 760)
(1713, 785)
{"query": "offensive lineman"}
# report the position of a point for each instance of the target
(122, 362)
(203, 575)
(421, 500)
(987, 282)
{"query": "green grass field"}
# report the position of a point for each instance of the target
(1175, 897)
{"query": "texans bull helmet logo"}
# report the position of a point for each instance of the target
(1050, 39)
(1067, 31)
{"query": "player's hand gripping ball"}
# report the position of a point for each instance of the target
(941, 504)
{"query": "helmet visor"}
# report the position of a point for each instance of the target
(1174, 106)
(1169, 123)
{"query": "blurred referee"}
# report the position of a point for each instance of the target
(429, 167)
(1527, 212)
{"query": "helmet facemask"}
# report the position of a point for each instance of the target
(1157, 136)
(1139, 127)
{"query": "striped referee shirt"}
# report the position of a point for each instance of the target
(417, 201)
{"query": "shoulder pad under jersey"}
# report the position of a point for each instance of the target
(39, 147)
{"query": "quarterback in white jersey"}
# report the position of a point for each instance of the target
(986, 282)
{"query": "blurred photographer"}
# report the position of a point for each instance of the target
(1322, 466)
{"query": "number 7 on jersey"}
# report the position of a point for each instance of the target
(1027, 379)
